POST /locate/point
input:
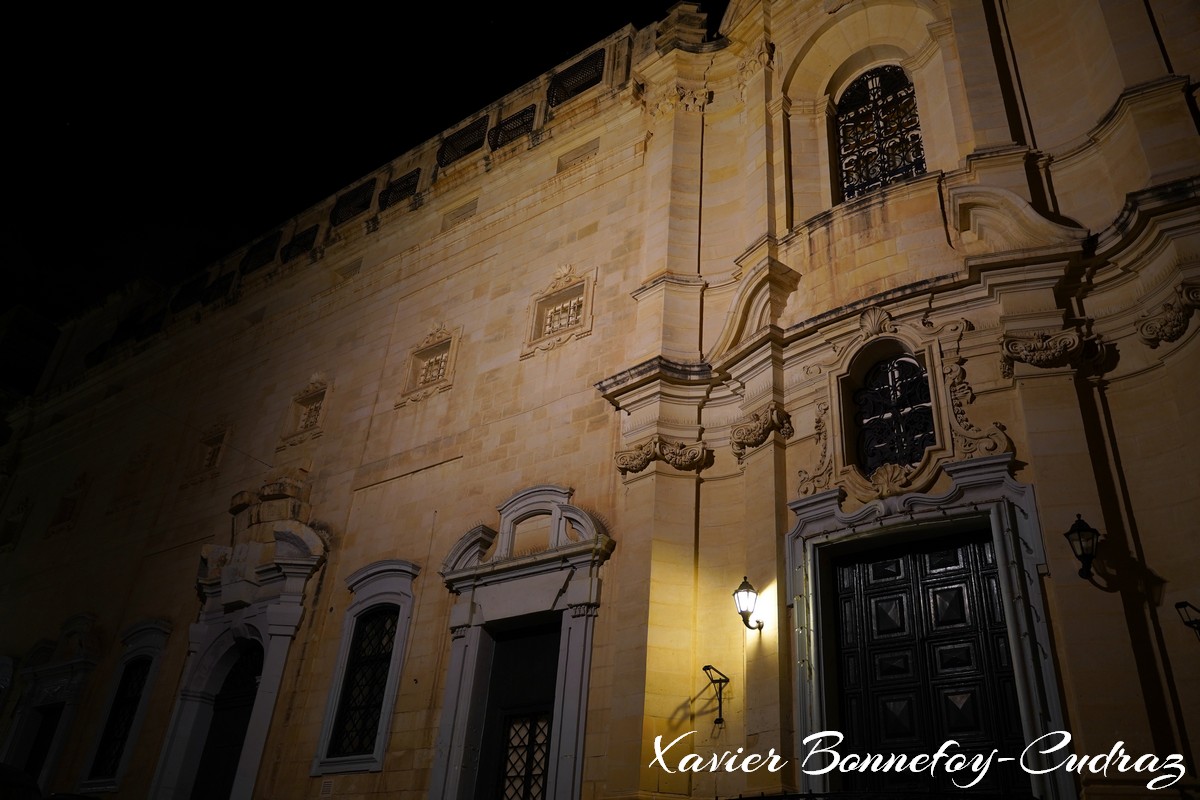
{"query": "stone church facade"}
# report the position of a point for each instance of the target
(442, 489)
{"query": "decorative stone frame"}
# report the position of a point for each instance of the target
(142, 639)
(208, 454)
(568, 289)
(982, 494)
(56, 673)
(254, 590)
(306, 414)
(562, 578)
(956, 437)
(439, 349)
(373, 585)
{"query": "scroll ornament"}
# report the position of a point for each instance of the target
(1172, 322)
(1039, 349)
(680, 455)
(818, 480)
(748, 435)
(969, 440)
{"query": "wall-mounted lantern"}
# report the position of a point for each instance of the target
(745, 598)
(1083, 538)
(1185, 610)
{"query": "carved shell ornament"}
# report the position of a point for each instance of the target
(875, 322)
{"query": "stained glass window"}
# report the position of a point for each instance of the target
(878, 133)
(357, 722)
(894, 414)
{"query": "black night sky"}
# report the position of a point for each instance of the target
(145, 145)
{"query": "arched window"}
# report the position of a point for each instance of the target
(878, 133)
(361, 703)
(366, 678)
(893, 414)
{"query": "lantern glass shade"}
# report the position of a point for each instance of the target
(1083, 538)
(744, 597)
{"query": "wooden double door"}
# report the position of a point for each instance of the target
(922, 658)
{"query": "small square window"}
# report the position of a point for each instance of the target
(306, 417)
(206, 460)
(430, 365)
(560, 312)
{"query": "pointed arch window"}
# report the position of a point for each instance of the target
(893, 413)
(878, 132)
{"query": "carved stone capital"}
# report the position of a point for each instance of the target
(748, 435)
(1172, 322)
(1039, 349)
(584, 609)
(680, 455)
(694, 100)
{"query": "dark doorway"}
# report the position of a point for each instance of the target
(922, 657)
(515, 755)
(230, 719)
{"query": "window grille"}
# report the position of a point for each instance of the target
(511, 128)
(260, 254)
(300, 244)
(352, 203)
(462, 142)
(434, 368)
(526, 753)
(400, 189)
(878, 133)
(120, 719)
(562, 316)
(310, 412)
(357, 721)
(894, 414)
(576, 79)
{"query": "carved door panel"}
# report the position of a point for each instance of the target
(923, 658)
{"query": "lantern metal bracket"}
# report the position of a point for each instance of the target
(719, 682)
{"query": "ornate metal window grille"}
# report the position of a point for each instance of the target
(461, 142)
(260, 254)
(575, 79)
(357, 722)
(300, 244)
(353, 203)
(511, 128)
(120, 718)
(402, 188)
(878, 133)
(526, 753)
(894, 414)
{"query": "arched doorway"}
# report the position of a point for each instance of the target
(230, 719)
